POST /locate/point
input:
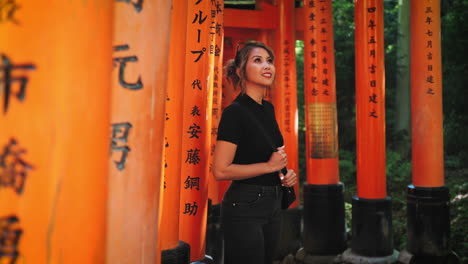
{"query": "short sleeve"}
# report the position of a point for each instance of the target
(230, 126)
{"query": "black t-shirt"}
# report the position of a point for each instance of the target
(252, 147)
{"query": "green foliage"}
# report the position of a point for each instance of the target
(455, 77)
(459, 219)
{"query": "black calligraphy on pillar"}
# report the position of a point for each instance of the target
(122, 61)
(191, 209)
(198, 18)
(199, 52)
(195, 111)
(215, 112)
(324, 54)
(8, 9)
(192, 182)
(311, 17)
(371, 24)
(196, 84)
(13, 168)
(193, 156)
(430, 78)
(10, 234)
(218, 8)
(8, 78)
(119, 140)
(138, 4)
(194, 130)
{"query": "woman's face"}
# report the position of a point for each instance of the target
(259, 68)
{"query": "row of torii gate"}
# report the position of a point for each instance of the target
(72, 195)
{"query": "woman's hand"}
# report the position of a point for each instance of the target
(288, 180)
(278, 160)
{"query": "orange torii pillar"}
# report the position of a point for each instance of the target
(139, 76)
(324, 221)
(428, 198)
(372, 214)
(174, 250)
(284, 97)
(196, 131)
(227, 96)
(214, 238)
(54, 119)
(285, 90)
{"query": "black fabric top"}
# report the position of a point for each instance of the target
(238, 128)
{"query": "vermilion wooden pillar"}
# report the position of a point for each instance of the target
(372, 218)
(428, 198)
(285, 90)
(140, 61)
(196, 130)
(54, 119)
(173, 249)
(324, 225)
(216, 82)
(214, 237)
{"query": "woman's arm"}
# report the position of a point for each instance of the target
(224, 169)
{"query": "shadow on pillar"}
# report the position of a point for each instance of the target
(291, 233)
(214, 234)
(324, 224)
(178, 255)
(372, 240)
(428, 227)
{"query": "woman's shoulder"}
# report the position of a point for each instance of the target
(234, 107)
(233, 111)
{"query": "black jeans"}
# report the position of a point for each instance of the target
(251, 222)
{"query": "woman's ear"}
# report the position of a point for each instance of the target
(238, 72)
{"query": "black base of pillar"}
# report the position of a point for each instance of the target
(352, 258)
(408, 258)
(324, 219)
(206, 260)
(372, 227)
(291, 233)
(178, 255)
(428, 221)
(303, 257)
(214, 234)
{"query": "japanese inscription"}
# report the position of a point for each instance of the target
(13, 73)
(10, 234)
(8, 8)
(192, 183)
(191, 209)
(122, 62)
(372, 43)
(429, 23)
(13, 167)
(119, 140)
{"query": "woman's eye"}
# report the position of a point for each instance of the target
(270, 61)
(257, 60)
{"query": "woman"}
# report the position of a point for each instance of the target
(251, 207)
